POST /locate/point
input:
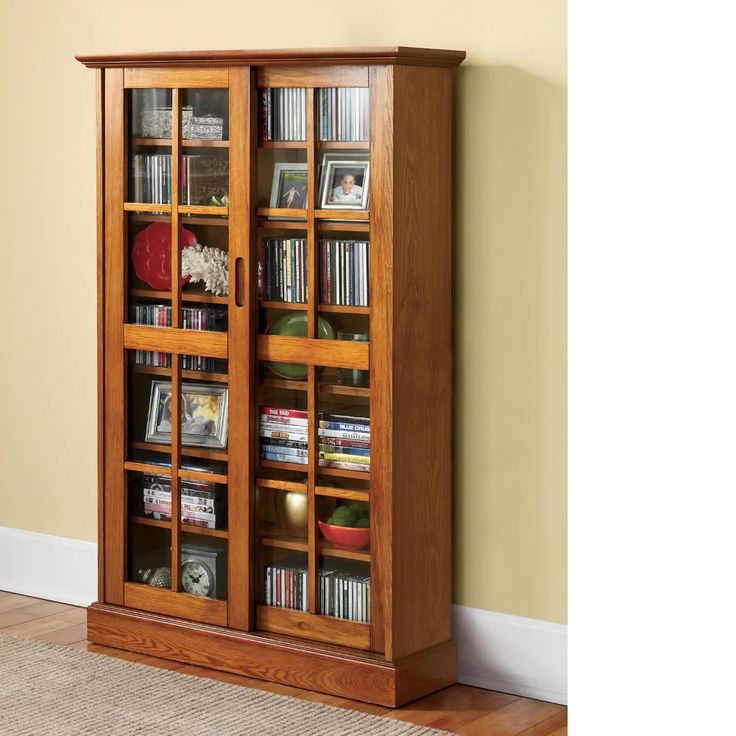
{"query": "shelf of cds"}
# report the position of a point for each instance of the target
(275, 364)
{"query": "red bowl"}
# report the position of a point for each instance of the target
(346, 536)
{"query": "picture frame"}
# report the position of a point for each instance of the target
(204, 411)
(345, 181)
(289, 187)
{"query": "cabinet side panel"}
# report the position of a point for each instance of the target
(114, 430)
(100, 156)
(422, 358)
(381, 238)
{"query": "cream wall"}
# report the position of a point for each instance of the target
(510, 266)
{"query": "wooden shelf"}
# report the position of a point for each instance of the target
(343, 309)
(281, 485)
(325, 145)
(187, 220)
(339, 473)
(282, 225)
(283, 466)
(334, 389)
(204, 452)
(194, 375)
(326, 549)
(299, 214)
(198, 209)
(292, 214)
(295, 306)
(164, 209)
(281, 541)
(342, 215)
(185, 143)
(186, 296)
(353, 227)
(188, 528)
(349, 494)
(282, 144)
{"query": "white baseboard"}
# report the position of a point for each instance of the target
(512, 654)
(44, 566)
(496, 651)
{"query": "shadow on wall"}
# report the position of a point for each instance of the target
(510, 342)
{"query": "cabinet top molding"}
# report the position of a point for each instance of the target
(259, 57)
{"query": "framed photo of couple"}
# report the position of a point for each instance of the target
(344, 181)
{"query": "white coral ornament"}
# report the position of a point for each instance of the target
(203, 263)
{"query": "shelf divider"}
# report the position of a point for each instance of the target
(312, 333)
(175, 357)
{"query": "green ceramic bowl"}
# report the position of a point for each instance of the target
(294, 324)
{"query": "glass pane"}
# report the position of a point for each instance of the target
(283, 427)
(204, 407)
(149, 146)
(204, 177)
(281, 518)
(343, 114)
(149, 268)
(204, 165)
(150, 113)
(344, 422)
(205, 275)
(204, 114)
(282, 269)
(203, 565)
(344, 272)
(283, 114)
(149, 529)
(343, 493)
(282, 180)
(147, 371)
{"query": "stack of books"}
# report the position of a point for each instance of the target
(344, 441)
(193, 318)
(344, 272)
(345, 592)
(198, 501)
(283, 114)
(283, 270)
(343, 114)
(284, 435)
(286, 584)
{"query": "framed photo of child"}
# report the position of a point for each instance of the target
(289, 187)
(344, 181)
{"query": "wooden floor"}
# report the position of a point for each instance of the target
(460, 709)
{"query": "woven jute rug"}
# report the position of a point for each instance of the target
(49, 690)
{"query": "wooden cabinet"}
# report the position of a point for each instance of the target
(275, 344)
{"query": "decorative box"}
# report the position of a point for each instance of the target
(156, 121)
(206, 128)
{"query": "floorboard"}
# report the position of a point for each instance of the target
(460, 709)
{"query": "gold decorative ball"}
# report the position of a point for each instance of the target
(292, 512)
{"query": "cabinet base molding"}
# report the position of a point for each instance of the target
(326, 668)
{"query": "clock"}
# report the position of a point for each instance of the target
(204, 570)
(197, 578)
